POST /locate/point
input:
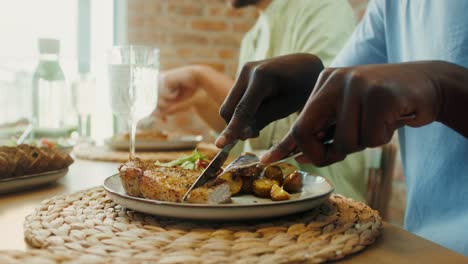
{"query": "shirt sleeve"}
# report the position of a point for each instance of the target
(367, 44)
(312, 30)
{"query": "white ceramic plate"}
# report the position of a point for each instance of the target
(184, 142)
(315, 191)
(25, 182)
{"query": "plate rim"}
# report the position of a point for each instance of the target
(24, 177)
(216, 206)
(182, 139)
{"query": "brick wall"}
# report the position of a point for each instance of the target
(187, 31)
(202, 31)
(209, 32)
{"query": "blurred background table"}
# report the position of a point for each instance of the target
(394, 246)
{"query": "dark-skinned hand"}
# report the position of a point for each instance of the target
(366, 104)
(266, 91)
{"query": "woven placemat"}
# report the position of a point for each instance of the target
(53, 257)
(89, 222)
(104, 153)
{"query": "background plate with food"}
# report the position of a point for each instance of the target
(25, 165)
(154, 141)
(20, 183)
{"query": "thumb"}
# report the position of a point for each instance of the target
(279, 151)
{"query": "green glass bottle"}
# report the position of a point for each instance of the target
(50, 95)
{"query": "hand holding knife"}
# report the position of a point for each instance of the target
(215, 165)
(212, 169)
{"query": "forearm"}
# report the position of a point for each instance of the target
(215, 87)
(453, 89)
(209, 113)
(216, 84)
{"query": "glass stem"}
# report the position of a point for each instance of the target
(133, 125)
(88, 125)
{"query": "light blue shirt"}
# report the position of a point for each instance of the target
(435, 157)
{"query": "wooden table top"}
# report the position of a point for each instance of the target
(394, 246)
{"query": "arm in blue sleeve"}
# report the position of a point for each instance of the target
(367, 44)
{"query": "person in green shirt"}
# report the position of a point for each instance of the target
(283, 27)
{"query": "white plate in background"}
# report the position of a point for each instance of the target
(183, 142)
(19, 183)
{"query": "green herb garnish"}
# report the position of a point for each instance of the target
(195, 161)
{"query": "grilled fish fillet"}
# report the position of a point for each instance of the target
(214, 193)
(130, 174)
(155, 182)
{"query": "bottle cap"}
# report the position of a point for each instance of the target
(49, 46)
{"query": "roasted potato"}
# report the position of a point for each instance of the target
(235, 182)
(262, 187)
(247, 184)
(278, 194)
(286, 168)
(273, 172)
(293, 182)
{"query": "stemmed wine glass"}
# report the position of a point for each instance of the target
(133, 80)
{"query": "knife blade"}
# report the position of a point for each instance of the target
(211, 170)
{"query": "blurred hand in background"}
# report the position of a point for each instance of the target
(196, 87)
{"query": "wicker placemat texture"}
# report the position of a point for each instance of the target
(53, 257)
(88, 222)
(104, 153)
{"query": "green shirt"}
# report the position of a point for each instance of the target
(320, 27)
